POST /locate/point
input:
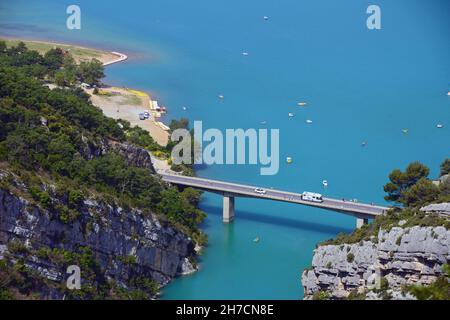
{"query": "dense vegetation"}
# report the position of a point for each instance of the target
(56, 65)
(412, 188)
(52, 130)
(48, 137)
(409, 190)
(185, 168)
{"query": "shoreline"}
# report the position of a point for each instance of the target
(115, 99)
(121, 57)
(79, 52)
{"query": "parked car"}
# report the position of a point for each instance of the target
(142, 116)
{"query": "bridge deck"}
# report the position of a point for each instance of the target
(361, 210)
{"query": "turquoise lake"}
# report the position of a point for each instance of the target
(360, 85)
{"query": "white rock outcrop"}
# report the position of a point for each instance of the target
(401, 256)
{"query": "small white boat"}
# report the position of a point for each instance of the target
(221, 96)
(363, 144)
(263, 122)
(448, 93)
(266, 18)
(440, 126)
(325, 183)
(405, 131)
(301, 104)
(257, 239)
(309, 121)
(289, 160)
(290, 114)
(184, 108)
(245, 53)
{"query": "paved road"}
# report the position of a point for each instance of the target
(233, 189)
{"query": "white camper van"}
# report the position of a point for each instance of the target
(311, 196)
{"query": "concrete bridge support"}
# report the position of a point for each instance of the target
(228, 209)
(361, 221)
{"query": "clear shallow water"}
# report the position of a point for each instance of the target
(360, 85)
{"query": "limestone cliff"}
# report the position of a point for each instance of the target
(126, 244)
(381, 266)
(122, 252)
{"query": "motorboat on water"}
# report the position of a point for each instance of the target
(301, 104)
(221, 96)
(266, 18)
(184, 108)
(363, 144)
(245, 53)
(264, 122)
(290, 114)
(309, 121)
(405, 131)
(439, 126)
(289, 160)
(257, 239)
(325, 183)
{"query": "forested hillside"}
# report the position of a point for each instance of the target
(58, 155)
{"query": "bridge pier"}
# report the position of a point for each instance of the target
(361, 221)
(228, 209)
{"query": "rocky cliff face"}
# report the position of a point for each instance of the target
(126, 244)
(133, 155)
(401, 256)
(129, 249)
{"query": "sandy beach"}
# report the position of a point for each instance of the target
(79, 53)
(117, 103)
(127, 104)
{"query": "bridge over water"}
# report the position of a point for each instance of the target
(361, 211)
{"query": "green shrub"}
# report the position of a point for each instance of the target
(438, 290)
(321, 295)
(127, 260)
(355, 295)
(350, 257)
(17, 247)
(66, 215)
(42, 197)
(76, 199)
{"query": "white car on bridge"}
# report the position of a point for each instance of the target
(260, 191)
